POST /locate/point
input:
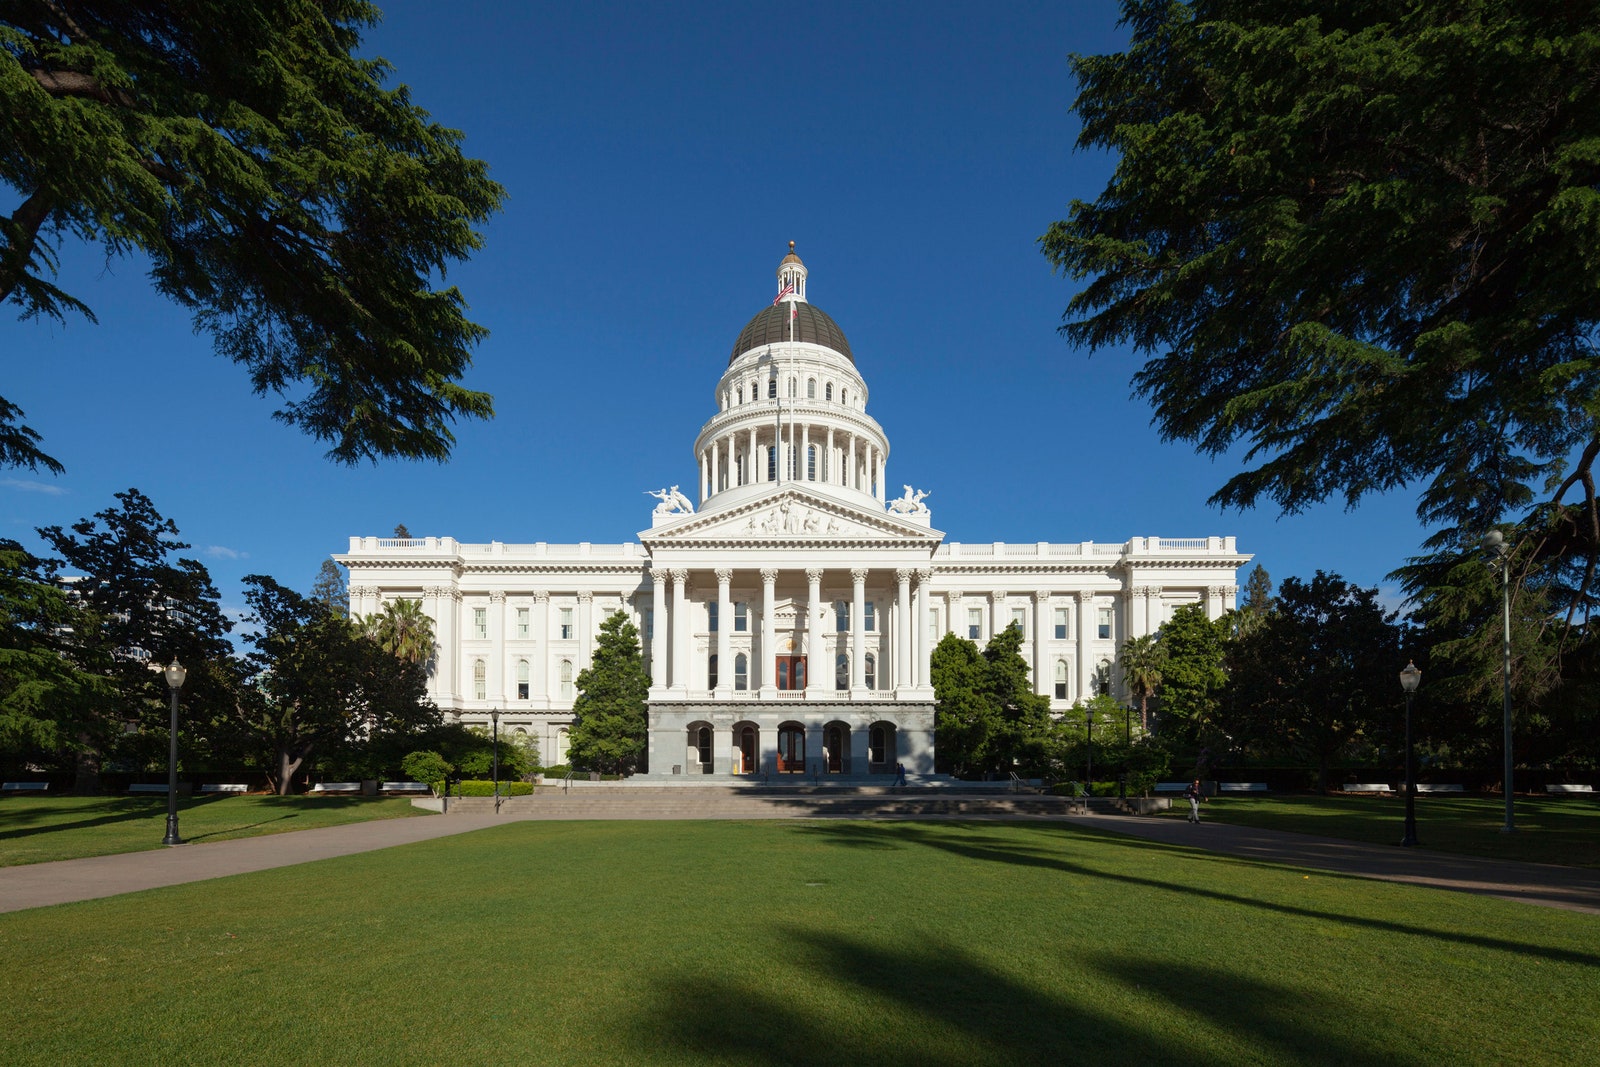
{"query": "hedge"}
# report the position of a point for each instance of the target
(473, 788)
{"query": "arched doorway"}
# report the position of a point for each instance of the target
(882, 748)
(791, 748)
(697, 757)
(746, 750)
(836, 748)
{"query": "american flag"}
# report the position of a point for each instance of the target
(788, 287)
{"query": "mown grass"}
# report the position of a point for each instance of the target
(798, 943)
(40, 829)
(1564, 831)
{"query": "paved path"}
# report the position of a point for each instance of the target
(1573, 888)
(40, 884)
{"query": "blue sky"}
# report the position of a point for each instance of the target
(658, 160)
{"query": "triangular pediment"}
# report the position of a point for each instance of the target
(791, 515)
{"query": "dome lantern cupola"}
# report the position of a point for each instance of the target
(792, 278)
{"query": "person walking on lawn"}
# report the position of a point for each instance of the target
(1195, 795)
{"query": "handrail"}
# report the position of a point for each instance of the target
(566, 783)
(1016, 783)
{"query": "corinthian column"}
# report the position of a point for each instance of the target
(658, 629)
(769, 633)
(724, 625)
(902, 631)
(818, 677)
(680, 629)
(858, 633)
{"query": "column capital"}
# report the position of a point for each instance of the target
(585, 596)
(997, 597)
(1041, 596)
(769, 575)
(924, 575)
(658, 574)
(724, 575)
(1085, 596)
(813, 574)
(679, 574)
(497, 596)
(858, 574)
(903, 575)
(541, 596)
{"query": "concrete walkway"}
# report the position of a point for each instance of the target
(41, 884)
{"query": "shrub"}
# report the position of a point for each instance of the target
(473, 787)
(427, 767)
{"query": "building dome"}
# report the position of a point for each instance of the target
(812, 325)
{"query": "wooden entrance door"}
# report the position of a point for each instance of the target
(791, 672)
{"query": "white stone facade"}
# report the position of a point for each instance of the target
(789, 612)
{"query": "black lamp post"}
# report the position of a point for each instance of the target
(1410, 678)
(175, 675)
(494, 717)
(1495, 541)
(1088, 749)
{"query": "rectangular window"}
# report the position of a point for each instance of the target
(933, 627)
(741, 617)
(1019, 619)
(568, 631)
(869, 617)
(974, 624)
(1061, 624)
(1105, 624)
(522, 623)
(1061, 690)
(711, 618)
(480, 622)
(772, 464)
(649, 624)
(841, 616)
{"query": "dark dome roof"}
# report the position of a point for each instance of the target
(771, 326)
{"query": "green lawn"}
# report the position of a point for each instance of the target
(39, 829)
(1565, 831)
(785, 942)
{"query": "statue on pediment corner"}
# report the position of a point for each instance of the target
(911, 503)
(672, 502)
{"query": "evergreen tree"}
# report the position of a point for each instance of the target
(329, 589)
(965, 721)
(140, 607)
(611, 714)
(1023, 715)
(301, 210)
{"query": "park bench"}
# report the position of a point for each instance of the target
(336, 787)
(406, 788)
(227, 787)
(1366, 787)
(1241, 787)
(25, 787)
(1170, 787)
(1553, 790)
(147, 787)
(1428, 787)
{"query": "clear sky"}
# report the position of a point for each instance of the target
(659, 158)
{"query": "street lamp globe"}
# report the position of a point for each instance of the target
(175, 673)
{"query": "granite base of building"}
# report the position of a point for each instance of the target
(840, 739)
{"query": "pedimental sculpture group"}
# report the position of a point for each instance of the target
(789, 606)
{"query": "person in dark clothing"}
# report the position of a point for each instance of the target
(1194, 794)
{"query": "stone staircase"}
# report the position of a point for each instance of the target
(713, 802)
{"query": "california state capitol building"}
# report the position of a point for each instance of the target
(787, 596)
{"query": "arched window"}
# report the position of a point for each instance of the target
(841, 672)
(702, 744)
(872, 671)
(811, 463)
(843, 397)
(480, 679)
(827, 391)
(1061, 679)
(772, 388)
(711, 672)
(522, 679)
(741, 672)
(566, 679)
(740, 394)
(811, 388)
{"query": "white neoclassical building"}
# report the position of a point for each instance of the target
(788, 610)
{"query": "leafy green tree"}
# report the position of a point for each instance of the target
(609, 730)
(330, 590)
(45, 697)
(519, 755)
(141, 607)
(1023, 715)
(1142, 660)
(426, 766)
(299, 208)
(1322, 673)
(965, 721)
(319, 687)
(1192, 675)
(403, 630)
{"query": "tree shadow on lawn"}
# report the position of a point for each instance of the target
(975, 844)
(870, 1004)
(122, 809)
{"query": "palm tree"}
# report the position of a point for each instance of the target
(403, 630)
(1142, 660)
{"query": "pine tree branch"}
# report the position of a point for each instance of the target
(21, 232)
